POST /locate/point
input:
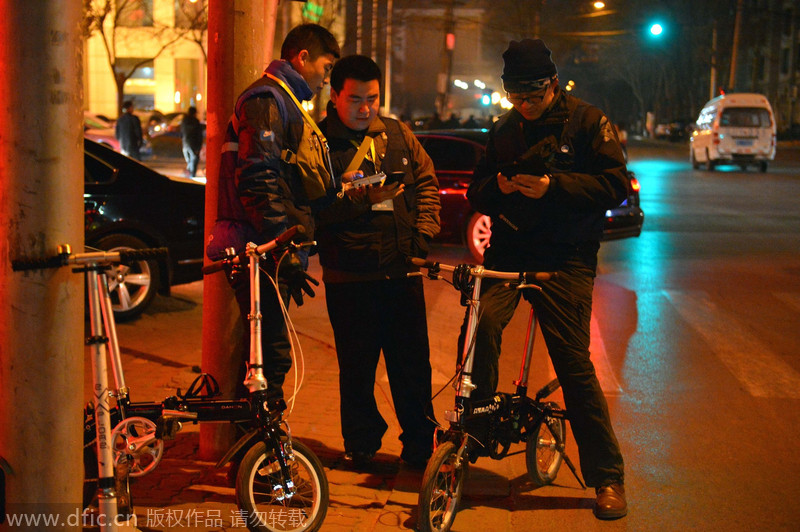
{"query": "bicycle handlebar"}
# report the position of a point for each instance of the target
(480, 271)
(280, 241)
(65, 257)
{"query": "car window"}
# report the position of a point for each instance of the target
(451, 154)
(745, 117)
(96, 171)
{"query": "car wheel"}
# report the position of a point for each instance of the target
(479, 231)
(693, 159)
(763, 166)
(131, 286)
(710, 165)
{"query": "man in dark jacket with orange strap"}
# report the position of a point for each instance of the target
(262, 189)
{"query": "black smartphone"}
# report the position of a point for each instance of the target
(394, 177)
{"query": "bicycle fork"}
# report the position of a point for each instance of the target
(98, 342)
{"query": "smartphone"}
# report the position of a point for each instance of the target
(394, 177)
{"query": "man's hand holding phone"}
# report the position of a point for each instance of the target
(532, 186)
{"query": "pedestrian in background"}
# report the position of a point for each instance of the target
(364, 237)
(552, 167)
(263, 190)
(192, 140)
(129, 131)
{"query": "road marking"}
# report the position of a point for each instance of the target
(762, 373)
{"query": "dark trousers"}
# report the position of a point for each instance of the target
(564, 309)
(275, 344)
(387, 315)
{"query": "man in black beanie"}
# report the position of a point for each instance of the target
(553, 166)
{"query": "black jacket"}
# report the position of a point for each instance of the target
(357, 243)
(576, 145)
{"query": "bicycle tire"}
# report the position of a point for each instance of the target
(442, 486)
(262, 510)
(544, 450)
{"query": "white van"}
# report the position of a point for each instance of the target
(736, 128)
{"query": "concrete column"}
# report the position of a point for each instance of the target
(240, 36)
(41, 312)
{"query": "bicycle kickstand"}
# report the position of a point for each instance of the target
(574, 471)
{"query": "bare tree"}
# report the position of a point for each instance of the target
(193, 17)
(112, 20)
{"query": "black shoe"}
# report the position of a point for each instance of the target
(358, 459)
(610, 503)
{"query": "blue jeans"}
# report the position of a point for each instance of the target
(192, 159)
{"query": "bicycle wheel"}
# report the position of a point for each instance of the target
(263, 508)
(442, 486)
(544, 450)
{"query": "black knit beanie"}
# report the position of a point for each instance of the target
(526, 63)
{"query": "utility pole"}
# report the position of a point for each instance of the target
(41, 312)
(734, 52)
(443, 83)
(387, 70)
(713, 86)
(240, 37)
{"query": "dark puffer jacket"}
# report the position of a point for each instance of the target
(579, 150)
(356, 243)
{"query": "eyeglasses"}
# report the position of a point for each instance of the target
(530, 99)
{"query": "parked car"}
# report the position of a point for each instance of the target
(99, 130)
(456, 152)
(130, 206)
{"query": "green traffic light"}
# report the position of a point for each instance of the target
(656, 30)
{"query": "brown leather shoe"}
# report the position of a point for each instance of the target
(610, 503)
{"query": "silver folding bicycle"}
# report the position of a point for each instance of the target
(280, 483)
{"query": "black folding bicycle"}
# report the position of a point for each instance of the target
(488, 427)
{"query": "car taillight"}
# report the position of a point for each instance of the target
(715, 139)
(635, 186)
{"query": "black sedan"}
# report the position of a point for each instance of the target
(128, 205)
(456, 152)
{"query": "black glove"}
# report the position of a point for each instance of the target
(292, 274)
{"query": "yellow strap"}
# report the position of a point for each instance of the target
(310, 121)
(306, 116)
(366, 144)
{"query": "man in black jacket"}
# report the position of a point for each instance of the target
(553, 166)
(129, 131)
(364, 237)
(192, 140)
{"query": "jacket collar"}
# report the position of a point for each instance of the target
(284, 71)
